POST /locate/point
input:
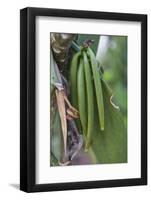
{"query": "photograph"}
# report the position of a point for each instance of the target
(83, 99)
(88, 99)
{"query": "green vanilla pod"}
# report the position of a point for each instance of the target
(90, 99)
(81, 91)
(73, 78)
(98, 88)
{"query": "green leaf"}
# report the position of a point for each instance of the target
(56, 141)
(56, 138)
(110, 145)
(53, 76)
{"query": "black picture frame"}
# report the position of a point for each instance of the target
(28, 98)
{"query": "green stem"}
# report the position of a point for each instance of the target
(93, 156)
(75, 46)
(54, 160)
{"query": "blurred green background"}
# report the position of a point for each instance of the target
(114, 62)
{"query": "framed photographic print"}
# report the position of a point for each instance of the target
(83, 99)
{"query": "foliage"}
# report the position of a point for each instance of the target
(110, 145)
(114, 63)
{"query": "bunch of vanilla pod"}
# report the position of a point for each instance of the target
(86, 91)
